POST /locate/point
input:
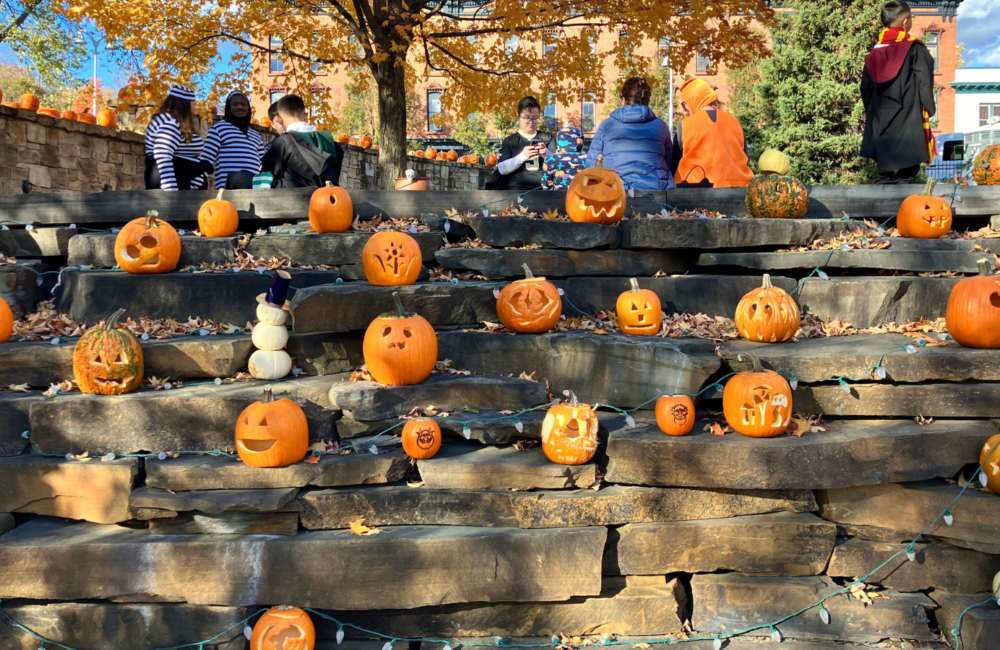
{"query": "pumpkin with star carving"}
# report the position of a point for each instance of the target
(991, 465)
(391, 259)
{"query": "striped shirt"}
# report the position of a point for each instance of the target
(164, 142)
(230, 150)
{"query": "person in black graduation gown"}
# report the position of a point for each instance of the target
(897, 88)
(519, 164)
(302, 156)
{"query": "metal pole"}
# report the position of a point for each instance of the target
(95, 80)
(671, 101)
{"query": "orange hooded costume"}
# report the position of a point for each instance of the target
(710, 143)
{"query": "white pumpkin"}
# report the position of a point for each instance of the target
(996, 586)
(266, 364)
(269, 337)
(271, 315)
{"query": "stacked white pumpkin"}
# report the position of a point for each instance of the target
(269, 360)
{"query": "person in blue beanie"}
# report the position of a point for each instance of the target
(560, 167)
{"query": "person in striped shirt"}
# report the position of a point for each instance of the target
(232, 147)
(173, 149)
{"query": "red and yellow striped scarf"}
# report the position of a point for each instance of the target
(891, 36)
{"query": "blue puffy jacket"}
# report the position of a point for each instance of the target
(636, 144)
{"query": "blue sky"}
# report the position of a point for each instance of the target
(977, 28)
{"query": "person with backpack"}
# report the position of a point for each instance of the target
(302, 156)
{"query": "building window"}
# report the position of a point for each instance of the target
(549, 42)
(588, 119)
(551, 115)
(472, 42)
(276, 95)
(933, 42)
(434, 111)
(277, 63)
(987, 112)
(703, 65)
(512, 43)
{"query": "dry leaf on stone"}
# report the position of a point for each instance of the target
(922, 420)
(716, 429)
(18, 388)
(62, 387)
(525, 445)
(358, 528)
(858, 591)
(551, 214)
(313, 460)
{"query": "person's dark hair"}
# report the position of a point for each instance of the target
(637, 91)
(272, 111)
(527, 103)
(292, 105)
(893, 11)
(180, 110)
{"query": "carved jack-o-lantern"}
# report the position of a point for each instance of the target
(147, 245)
(272, 433)
(991, 466)
(973, 313)
(400, 349)
(596, 195)
(757, 403)
(529, 306)
(768, 314)
(421, 438)
(331, 209)
(108, 360)
(923, 216)
(283, 628)
(391, 259)
(639, 311)
(569, 432)
(675, 414)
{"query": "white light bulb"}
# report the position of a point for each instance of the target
(466, 432)
(162, 455)
(373, 449)
(519, 426)
(948, 518)
(845, 387)
(25, 434)
(486, 212)
(717, 644)
(387, 646)
(911, 349)
(823, 276)
(55, 341)
(447, 226)
(29, 228)
(247, 632)
(824, 615)
(520, 199)
(561, 292)
(629, 420)
(776, 635)
(218, 381)
(631, 193)
(145, 336)
(340, 637)
(108, 456)
(292, 231)
(983, 480)
(910, 555)
(794, 384)
(496, 293)
(881, 372)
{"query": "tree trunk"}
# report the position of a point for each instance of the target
(391, 82)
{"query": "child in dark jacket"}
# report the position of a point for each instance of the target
(560, 167)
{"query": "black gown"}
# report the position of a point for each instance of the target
(303, 160)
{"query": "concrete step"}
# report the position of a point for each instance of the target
(472, 466)
(14, 421)
(674, 233)
(37, 242)
(97, 249)
(561, 263)
(19, 285)
(501, 232)
(867, 302)
(485, 426)
(886, 259)
(935, 400)
(330, 248)
(213, 502)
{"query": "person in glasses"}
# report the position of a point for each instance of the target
(522, 154)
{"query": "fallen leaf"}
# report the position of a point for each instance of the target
(525, 445)
(551, 214)
(312, 460)
(716, 429)
(922, 420)
(18, 388)
(858, 591)
(358, 528)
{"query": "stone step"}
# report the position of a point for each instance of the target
(14, 421)
(848, 453)
(591, 366)
(867, 302)
(39, 363)
(980, 626)
(728, 602)
(405, 567)
(654, 643)
(487, 427)
(779, 544)
(330, 248)
(190, 418)
(677, 233)
(937, 566)
(97, 249)
(95, 491)
(6, 522)
(122, 626)
(231, 523)
(19, 286)
(610, 506)
(561, 263)
(455, 230)
(910, 507)
(225, 297)
(471, 466)
(887, 259)
(937, 400)
(326, 353)
(501, 232)
(37, 242)
(213, 502)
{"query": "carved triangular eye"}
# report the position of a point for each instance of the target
(121, 358)
(593, 181)
(610, 183)
(635, 307)
(246, 422)
(263, 422)
(407, 332)
(386, 331)
(98, 359)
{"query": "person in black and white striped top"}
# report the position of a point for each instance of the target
(173, 149)
(233, 147)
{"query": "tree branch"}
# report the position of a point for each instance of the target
(28, 10)
(496, 30)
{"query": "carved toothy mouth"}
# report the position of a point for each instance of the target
(602, 212)
(123, 383)
(255, 446)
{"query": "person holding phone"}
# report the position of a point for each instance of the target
(522, 154)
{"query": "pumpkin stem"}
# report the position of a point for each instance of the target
(635, 284)
(268, 396)
(571, 398)
(399, 305)
(527, 272)
(218, 197)
(112, 321)
(600, 161)
(328, 183)
(929, 187)
(767, 282)
(754, 361)
(984, 267)
(151, 219)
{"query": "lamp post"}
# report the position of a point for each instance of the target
(94, 42)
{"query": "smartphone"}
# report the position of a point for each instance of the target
(533, 164)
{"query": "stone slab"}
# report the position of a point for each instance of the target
(676, 233)
(97, 249)
(937, 566)
(323, 353)
(366, 400)
(329, 248)
(561, 263)
(472, 466)
(196, 473)
(6, 522)
(728, 602)
(910, 507)
(19, 287)
(225, 297)
(95, 491)
(937, 400)
(417, 566)
(356, 273)
(38, 242)
(14, 408)
(779, 544)
(213, 502)
(589, 365)
(124, 626)
(487, 427)
(455, 230)
(39, 363)
(850, 452)
(980, 626)
(231, 523)
(866, 302)
(501, 232)
(887, 259)
(192, 418)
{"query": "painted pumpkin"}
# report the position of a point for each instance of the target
(6, 321)
(283, 628)
(774, 162)
(986, 166)
(596, 195)
(366, 141)
(272, 433)
(28, 102)
(343, 138)
(218, 218)
(391, 259)
(491, 160)
(474, 159)
(431, 152)
(923, 216)
(675, 414)
(639, 311)
(106, 117)
(991, 467)
(331, 209)
(400, 349)
(108, 360)
(757, 403)
(269, 364)
(51, 112)
(973, 313)
(70, 115)
(148, 245)
(768, 314)
(777, 197)
(529, 306)
(569, 432)
(421, 438)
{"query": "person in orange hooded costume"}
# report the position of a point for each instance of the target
(710, 149)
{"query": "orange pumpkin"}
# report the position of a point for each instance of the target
(366, 141)
(768, 314)
(675, 414)
(992, 467)
(463, 159)
(343, 138)
(757, 403)
(596, 195)
(569, 432)
(70, 115)
(491, 160)
(283, 628)
(431, 153)
(376, 148)
(391, 259)
(352, 142)
(108, 360)
(639, 311)
(923, 216)
(973, 313)
(265, 122)
(28, 102)
(6, 321)
(87, 118)
(474, 159)
(218, 218)
(771, 196)
(451, 156)
(106, 117)
(529, 306)
(400, 349)
(331, 209)
(51, 112)
(272, 433)
(11, 104)
(419, 154)
(147, 245)
(421, 438)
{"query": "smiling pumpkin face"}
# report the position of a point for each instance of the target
(284, 628)
(400, 349)
(596, 195)
(639, 311)
(147, 245)
(272, 433)
(108, 360)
